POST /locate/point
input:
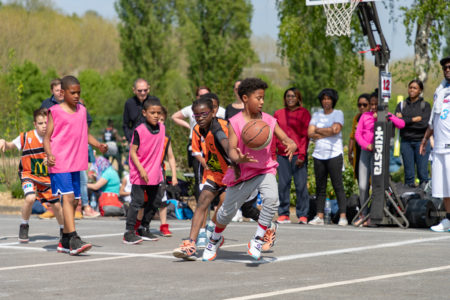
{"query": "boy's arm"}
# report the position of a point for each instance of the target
(94, 143)
(122, 188)
(5, 145)
(291, 146)
(172, 165)
(137, 163)
(48, 135)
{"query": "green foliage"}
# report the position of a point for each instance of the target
(446, 51)
(147, 47)
(317, 61)
(216, 36)
(16, 190)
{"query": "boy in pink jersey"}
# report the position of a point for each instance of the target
(65, 144)
(256, 170)
(146, 175)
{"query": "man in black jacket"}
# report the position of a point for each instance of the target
(132, 113)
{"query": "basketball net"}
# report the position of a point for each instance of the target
(339, 16)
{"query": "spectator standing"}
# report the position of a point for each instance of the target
(294, 120)
(132, 113)
(439, 126)
(112, 138)
(415, 111)
(325, 129)
(237, 106)
(354, 150)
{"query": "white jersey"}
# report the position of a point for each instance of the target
(331, 146)
(441, 127)
(188, 113)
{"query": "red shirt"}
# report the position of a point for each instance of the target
(295, 124)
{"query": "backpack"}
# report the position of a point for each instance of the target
(109, 205)
(402, 104)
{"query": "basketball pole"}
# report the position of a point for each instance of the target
(382, 192)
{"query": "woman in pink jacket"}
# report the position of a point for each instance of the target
(364, 136)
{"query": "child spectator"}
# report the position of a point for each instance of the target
(364, 136)
(33, 171)
(256, 170)
(146, 153)
(66, 146)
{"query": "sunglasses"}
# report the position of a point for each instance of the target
(203, 114)
(143, 91)
(362, 104)
(446, 67)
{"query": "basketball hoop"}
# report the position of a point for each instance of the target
(339, 16)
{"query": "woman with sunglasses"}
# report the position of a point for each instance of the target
(415, 111)
(354, 150)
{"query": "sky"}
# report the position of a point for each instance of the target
(265, 21)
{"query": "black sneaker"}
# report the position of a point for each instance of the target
(130, 237)
(145, 234)
(64, 245)
(77, 246)
(23, 233)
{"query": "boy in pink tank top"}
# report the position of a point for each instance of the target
(146, 175)
(65, 144)
(255, 171)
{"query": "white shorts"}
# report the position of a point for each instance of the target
(439, 175)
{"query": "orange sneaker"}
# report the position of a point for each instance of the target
(283, 220)
(47, 215)
(270, 237)
(78, 215)
(186, 251)
(303, 220)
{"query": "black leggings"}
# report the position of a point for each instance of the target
(322, 168)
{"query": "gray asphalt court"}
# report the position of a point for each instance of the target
(307, 262)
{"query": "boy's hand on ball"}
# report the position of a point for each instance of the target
(244, 158)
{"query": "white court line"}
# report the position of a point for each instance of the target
(262, 261)
(338, 251)
(340, 283)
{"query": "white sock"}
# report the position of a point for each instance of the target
(24, 221)
(216, 236)
(61, 226)
(211, 224)
(260, 232)
(202, 230)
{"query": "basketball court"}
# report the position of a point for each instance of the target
(328, 262)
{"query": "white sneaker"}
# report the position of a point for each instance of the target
(444, 226)
(238, 216)
(255, 247)
(210, 251)
(316, 221)
(343, 222)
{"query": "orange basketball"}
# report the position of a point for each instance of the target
(256, 134)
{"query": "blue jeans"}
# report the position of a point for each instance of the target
(412, 158)
(84, 190)
(286, 170)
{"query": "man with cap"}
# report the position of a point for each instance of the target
(439, 127)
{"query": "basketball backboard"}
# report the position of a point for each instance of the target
(321, 2)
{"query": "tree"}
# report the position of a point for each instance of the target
(146, 38)
(446, 51)
(428, 17)
(315, 60)
(217, 39)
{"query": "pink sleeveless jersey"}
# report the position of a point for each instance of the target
(265, 164)
(69, 140)
(150, 154)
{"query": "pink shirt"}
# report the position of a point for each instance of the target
(265, 165)
(365, 129)
(150, 154)
(69, 140)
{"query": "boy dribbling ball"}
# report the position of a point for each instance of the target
(256, 170)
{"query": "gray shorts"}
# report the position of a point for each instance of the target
(265, 184)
